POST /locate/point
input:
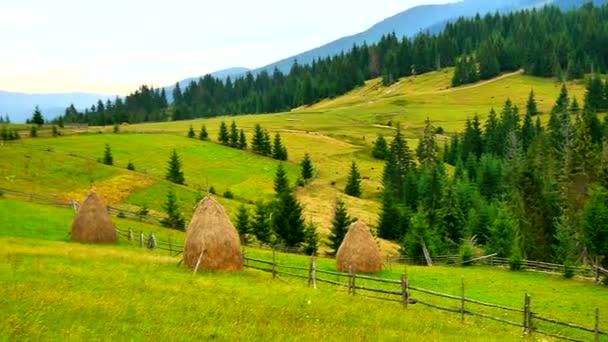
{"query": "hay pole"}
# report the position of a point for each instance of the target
(198, 262)
(152, 241)
(597, 325)
(141, 239)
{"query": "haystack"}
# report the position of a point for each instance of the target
(93, 223)
(359, 251)
(212, 237)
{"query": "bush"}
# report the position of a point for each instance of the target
(516, 260)
(439, 130)
(467, 252)
(212, 190)
(116, 129)
(130, 166)
(121, 214)
(228, 194)
(568, 271)
(300, 182)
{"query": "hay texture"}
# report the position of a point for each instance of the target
(211, 233)
(93, 223)
(359, 251)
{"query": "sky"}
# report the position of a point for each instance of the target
(113, 46)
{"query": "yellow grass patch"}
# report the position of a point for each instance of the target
(115, 189)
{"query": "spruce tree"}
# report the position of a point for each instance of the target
(107, 156)
(223, 136)
(242, 144)
(242, 225)
(174, 217)
(191, 133)
(281, 183)
(380, 149)
(203, 135)
(311, 238)
(233, 137)
(531, 107)
(307, 168)
(288, 222)
(279, 152)
(37, 117)
(353, 185)
(257, 142)
(260, 227)
(595, 224)
(266, 144)
(174, 172)
(502, 235)
(339, 226)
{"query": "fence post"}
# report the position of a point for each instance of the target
(141, 239)
(152, 241)
(310, 271)
(170, 246)
(526, 315)
(314, 272)
(597, 325)
(274, 263)
(405, 290)
(462, 299)
(130, 235)
(597, 270)
(353, 276)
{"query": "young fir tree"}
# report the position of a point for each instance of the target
(288, 222)
(107, 156)
(223, 136)
(33, 132)
(307, 168)
(531, 107)
(174, 169)
(279, 152)
(191, 133)
(339, 226)
(203, 135)
(174, 217)
(393, 219)
(233, 137)
(281, 183)
(266, 144)
(257, 142)
(242, 225)
(353, 185)
(37, 117)
(311, 238)
(242, 144)
(380, 150)
(260, 227)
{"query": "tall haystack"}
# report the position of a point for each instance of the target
(93, 223)
(212, 237)
(359, 251)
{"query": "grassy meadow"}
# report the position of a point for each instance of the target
(53, 289)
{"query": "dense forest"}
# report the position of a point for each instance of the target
(546, 42)
(518, 189)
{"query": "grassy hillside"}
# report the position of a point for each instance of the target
(122, 292)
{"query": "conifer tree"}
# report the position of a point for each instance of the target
(281, 183)
(37, 117)
(223, 135)
(107, 156)
(242, 144)
(242, 225)
(257, 143)
(307, 168)
(266, 144)
(260, 227)
(339, 226)
(174, 172)
(288, 222)
(595, 224)
(531, 107)
(233, 136)
(353, 185)
(311, 238)
(398, 164)
(174, 217)
(191, 133)
(203, 135)
(380, 150)
(279, 152)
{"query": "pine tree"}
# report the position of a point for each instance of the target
(279, 152)
(311, 238)
(353, 185)
(233, 136)
(398, 164)
(307, 168)
(528, 132)
(339, 226)
(223, 135)
(242, 144)
(393, 220)
(380, 150)
(281, 183)
(531, 107)
(37, 117)
(288, 222)
(203, 135)
(107, 156)
(260, 227)
(266, 145)
(191, 133)
(174, 217)
(502, 235)
(242, 225)
(174, 172)
(257, 143)
(595, 223)
(565, 247)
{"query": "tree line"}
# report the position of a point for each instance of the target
(546, 42)
(518, 189)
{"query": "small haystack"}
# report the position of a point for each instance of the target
(93, 223)
(211, 233)
(359, 251)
